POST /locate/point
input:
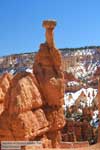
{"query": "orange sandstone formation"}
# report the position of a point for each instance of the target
(4, 85)
(22, 118)
(55, 117)
(5, 80)
(33, 102)
(23, 94)
(48, 71)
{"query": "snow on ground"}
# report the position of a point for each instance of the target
(73, 83)
(80, 70)
(29, 70)
(95, 120)
(86, 66)
(71, 97)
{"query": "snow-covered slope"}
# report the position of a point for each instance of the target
(70, 97)
(87, 61)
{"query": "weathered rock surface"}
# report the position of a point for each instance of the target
(5, 80)
(5, 130)
(46, 143)
(55, 138)
(50, 80)
(23, 94)
(24, 126)
(55, 118)
(29, 124)
(22, 118)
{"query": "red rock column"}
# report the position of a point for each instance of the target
(48, 71)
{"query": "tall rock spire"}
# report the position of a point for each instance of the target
(47, 69)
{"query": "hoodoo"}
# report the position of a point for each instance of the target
(48, 71)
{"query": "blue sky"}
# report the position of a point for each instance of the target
(78, 23)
